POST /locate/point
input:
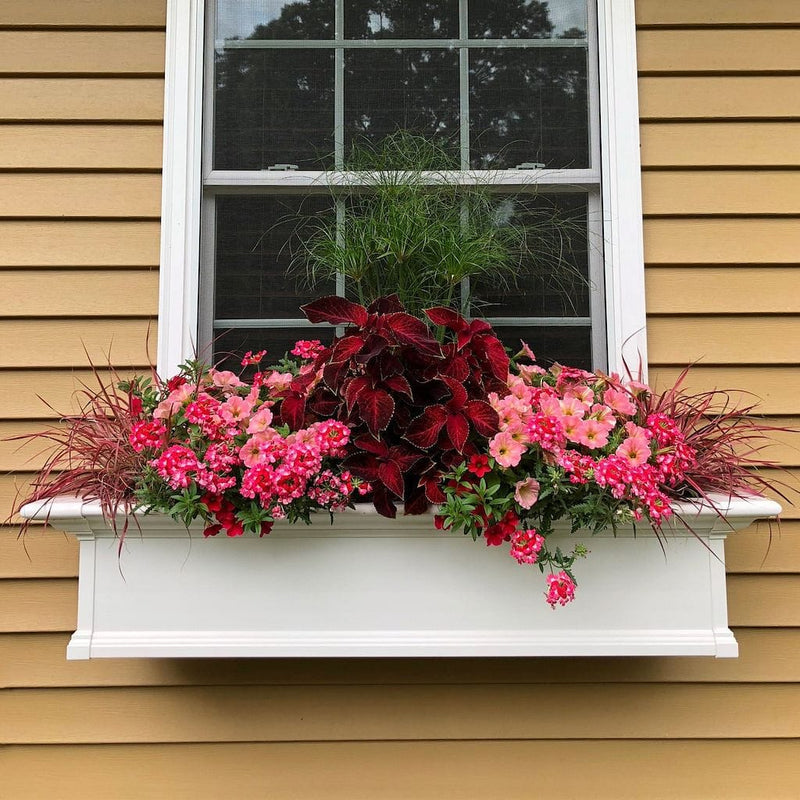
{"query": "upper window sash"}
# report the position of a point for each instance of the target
(619, 158)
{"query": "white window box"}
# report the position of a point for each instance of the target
(368, 586)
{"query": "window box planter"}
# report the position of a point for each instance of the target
(369, 586)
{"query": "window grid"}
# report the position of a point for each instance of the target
(218, 182)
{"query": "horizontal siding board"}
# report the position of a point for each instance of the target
(691, 192)
(721, 144)
(480, 770)
(38, 605)
(67, 342)
(723, 290)
(764, 548)
(81, 52)
(41, 553)
(719, 97)
(84, 195)
(764, 600)
(78, 293)
(67, 243)
(358, 713)
(718, 50)
(717, 12)
(64, 99)
(23, 392)
(117, 147)
(82, 13)
(721, 241)
(30, 660)
(723, 339)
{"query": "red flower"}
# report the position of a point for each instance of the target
(212, 530)
(175, 382)
(213, 502)
(266, 527)
(135, 404)
(438, 522)
(479, 465)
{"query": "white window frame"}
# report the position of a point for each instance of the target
(620, 168)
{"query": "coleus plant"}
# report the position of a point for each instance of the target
(413, 394)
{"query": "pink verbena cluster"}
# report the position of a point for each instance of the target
(572, 445)
(216, 449)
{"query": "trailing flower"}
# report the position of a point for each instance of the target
(594, 451)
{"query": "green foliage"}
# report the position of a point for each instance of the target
(408, 230)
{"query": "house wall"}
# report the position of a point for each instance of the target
(81, 104)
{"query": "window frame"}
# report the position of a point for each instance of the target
(180, 260)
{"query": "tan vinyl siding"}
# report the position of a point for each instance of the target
(80, 152)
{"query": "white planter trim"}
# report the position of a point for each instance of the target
(316, 591)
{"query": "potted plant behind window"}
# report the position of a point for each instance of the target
(183, 492)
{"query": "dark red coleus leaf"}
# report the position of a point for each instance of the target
(324, 405)
(457, 430)
(375, 344)
(353, 390)
(336, 310)
(424, 430)
(346, 347)
(372, 445)
(416, 502)
(397, 383)
(456, 368)
(405, 457)
(410, 330)
(383, 502)
(483, 417)
(433, 488)
(491, 349)
(363, 465)
(458, 394)
(293, 410)
(332, 374)
(448, 317)
(391, 476)
(376, 408)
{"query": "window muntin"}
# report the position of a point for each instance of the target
(523, 112)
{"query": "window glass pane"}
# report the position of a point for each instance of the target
(553, 279)
(528, 105)
(275, 19)
(401, 19)
(517, 19)
(569, 345)
(256, 237)
(388, 90)
(273, 107)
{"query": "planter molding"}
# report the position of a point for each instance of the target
(368, 586)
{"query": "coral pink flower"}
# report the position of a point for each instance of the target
(604, 415)
(635, 449)
(261, 420)
(505, 450)
(572, 407)
(572, 427)
(527, 350)
(169, 407)
(277, 381)
(619, 401)
(583, 393)
(527, 371)
(236, 410)
(225, 380)
(526, 492)
(592, 434)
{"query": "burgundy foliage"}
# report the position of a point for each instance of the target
(416, 405)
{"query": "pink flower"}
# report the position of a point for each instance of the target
(527, 350)
(225, 380)
(620, 402)
(146, 435)
(572, 407)
(236, 410)
(251, 358)
(526, 492)
(169, 407)
(505, 450)
(526, 545)
(277, 381)
(560, 589)
(261, 420)
(307, 348)
(636, 449)
(592, 434)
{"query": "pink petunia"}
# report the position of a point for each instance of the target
(635, 449)
(592, 434)
(620, 402)
(505, 450)
(526, 492)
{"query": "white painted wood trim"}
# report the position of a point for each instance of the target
(622, 188)
(181, 185)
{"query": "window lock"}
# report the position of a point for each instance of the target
(282, 167)
(530, 165)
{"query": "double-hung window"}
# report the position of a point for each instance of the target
(266, 98)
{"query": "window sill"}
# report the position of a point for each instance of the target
(372, 587)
